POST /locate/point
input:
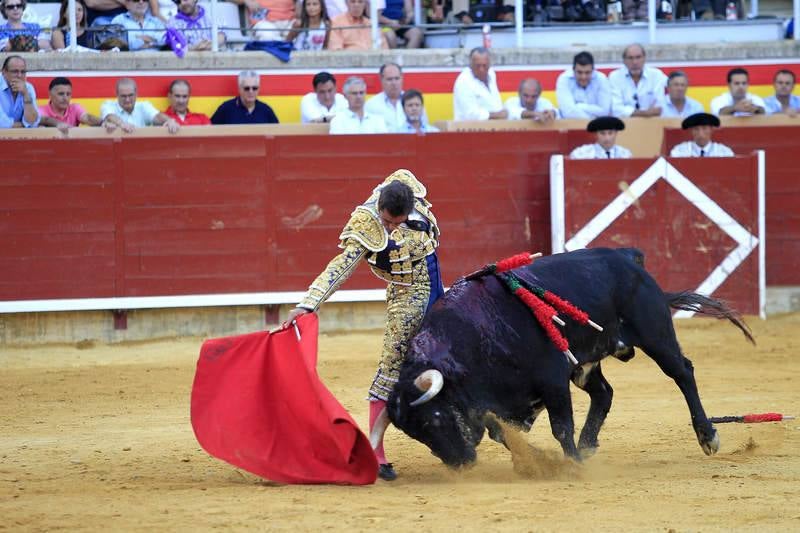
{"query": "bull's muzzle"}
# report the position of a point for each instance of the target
(430, 383)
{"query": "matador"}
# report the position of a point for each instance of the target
(396, 233)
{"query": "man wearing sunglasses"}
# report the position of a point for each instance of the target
(245, 108)
(636, 90)
(17, 96)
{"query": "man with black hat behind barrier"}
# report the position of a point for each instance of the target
(701, 145)
(606, 129)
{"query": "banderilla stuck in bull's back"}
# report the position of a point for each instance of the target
(750, 419)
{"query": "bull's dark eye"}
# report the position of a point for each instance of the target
(437, 419)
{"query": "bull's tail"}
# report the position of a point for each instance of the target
(691, 301)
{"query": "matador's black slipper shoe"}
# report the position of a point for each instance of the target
(386, 472)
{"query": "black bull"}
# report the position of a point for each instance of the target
(481, 348)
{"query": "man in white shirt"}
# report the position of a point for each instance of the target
(583, 92)
(676, 103)
(636, 90)
(355, 119)
(737, 101)
(475, 93)
(127, 114)
(530, 104)
(606, 129)
(324, 102)
(702, 125)
(387, 104)
(783, 101)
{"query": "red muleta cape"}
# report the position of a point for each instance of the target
(258, 403)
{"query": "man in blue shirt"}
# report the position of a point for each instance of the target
(17, 96)
(783, 101)
(582, 91)
(675, 102)
(144, 30)
(245, 108)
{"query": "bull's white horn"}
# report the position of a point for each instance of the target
(431, 381)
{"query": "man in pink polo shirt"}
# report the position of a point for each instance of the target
(60, 113)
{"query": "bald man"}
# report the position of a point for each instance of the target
(529, 103)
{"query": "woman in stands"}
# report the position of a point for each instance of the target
(18, 36)
(61, 33)
(312, 30)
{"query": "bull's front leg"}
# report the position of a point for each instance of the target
(558, 403)
(591, 380)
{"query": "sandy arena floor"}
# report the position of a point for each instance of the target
(98, 438)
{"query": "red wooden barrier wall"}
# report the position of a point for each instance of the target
(682, 242)
(175, 216)
(781, 144)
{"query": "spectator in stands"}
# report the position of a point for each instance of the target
(20, 36)
(701, 144)
(311, 31)
(163, 9)
(583, 92)
(606, 147)
(636, 89)
(530, 104)
(676, 103)
(60, 112)
(322, 104)
(395, 17)
(60, 37)
(194, 22)
(102, 12)
(414, 108)
(634, 10)
(351, 30)
(17, 96)
(127, 114)
(475, 93)
(178, 95)
(387, 103)
(737, 101)
(270, 20)
(356, 119)
(245, 108)
(335, 7)
(783, 101)
(145, 32)
(436, 10)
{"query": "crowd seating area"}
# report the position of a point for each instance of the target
(468, 23)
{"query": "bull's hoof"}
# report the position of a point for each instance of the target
(386, 472)
(587, 452)
(710, 447)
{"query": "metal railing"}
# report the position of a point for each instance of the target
(375, 28)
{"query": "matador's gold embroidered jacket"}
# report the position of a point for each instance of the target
(390, 256)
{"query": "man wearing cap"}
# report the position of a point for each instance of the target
(605, 128)
(701, 124)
